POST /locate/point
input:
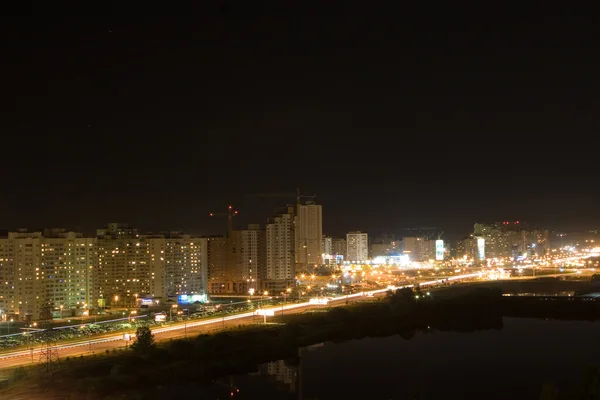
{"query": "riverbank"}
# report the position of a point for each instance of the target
(207, 357)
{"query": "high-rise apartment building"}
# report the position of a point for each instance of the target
(309, 235)
(216, 264)
(123, 272)
(176, 266)
(339, 247)
(414, 248)
(280, 246)
(327, 245)
(357, 244)
(45, 271)
(384, 247)
(68, 261)
(253, 248)
(224, 259)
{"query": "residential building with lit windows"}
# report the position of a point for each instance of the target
(176, 268)
(513, 239)
(280, 245)
(253, 254)
(357, 244)
(308, 235)
(123, 271)
(42, 272)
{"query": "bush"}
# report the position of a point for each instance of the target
(144, 341)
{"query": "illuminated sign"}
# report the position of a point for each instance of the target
(191, 298)
(319, 300)
(269, 313)
(481, 248)
(401, 260)
(146, 302)
(160, 317)
(439, 250)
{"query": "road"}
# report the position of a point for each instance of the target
(181, 329)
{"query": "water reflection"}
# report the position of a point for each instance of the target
(285, 376)
(282, 374)
(517, 363)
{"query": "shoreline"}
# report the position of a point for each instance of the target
(240, 350)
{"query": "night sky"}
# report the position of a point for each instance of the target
(393, 117)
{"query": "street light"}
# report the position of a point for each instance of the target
(265, 293)
(116, 300)
(61, 314)
(288, 290)
(184, 321)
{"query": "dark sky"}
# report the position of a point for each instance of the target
(394, 117)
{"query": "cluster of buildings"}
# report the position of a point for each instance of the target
(500, 240)
(54, 270)
(43, 273)
(504, 240)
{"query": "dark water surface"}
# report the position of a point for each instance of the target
(509, 364)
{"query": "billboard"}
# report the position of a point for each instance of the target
(439, 250)
(191, 298)
(481, 248)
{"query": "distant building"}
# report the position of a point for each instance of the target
(216, 264)
(512, 239)
(385, 247)
(308, 235)
(253, 256)
(414, 248)
(327, 245)
(280, 246)
(357, 245)
(339, 247)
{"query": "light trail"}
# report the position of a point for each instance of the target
(32, 331)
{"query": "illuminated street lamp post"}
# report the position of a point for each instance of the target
(265, 293)
(171, 312)
(288, 290)
(34, 325)
(184, 321)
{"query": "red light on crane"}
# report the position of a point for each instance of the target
(230, 207)
(211, 214)
(517, 222)
(235, 212)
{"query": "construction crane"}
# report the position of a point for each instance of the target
(229, 214)
(297, 195)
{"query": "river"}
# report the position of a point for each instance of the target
(512, 363)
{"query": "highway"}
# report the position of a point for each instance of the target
(181, 329)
